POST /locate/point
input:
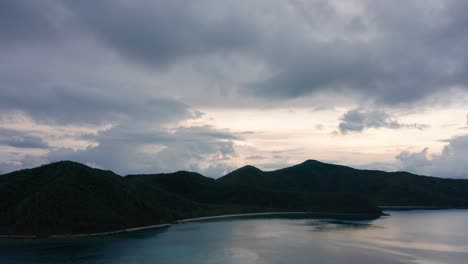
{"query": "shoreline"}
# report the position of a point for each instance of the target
(125, 230)
(227, 216)
(416, 207)
(188, 220)
(201, 219)
(312, 214)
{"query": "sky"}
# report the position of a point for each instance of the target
(153, 86)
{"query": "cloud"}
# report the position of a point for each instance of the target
(92, 87)
(391, 53)
(361, 49)
(25, 142)
(128, 150)
(383, 166)
(158, 33)
(18, 139)
(357, 120)
(81, 105)
(452, 162)
(144, 67)
(216, 170)
(247, 132)
(255, 157)
(22, 22)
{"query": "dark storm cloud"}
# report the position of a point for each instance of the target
(391, 52)
(19, 139)
(24, 23)
(59, 78)
(161, 32)
(93, 105)
(357, 120)
(67, 62)
(66, 83)
(401, 52)
(21, 19)
(49, 74)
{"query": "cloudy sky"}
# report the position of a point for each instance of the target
(159, 86)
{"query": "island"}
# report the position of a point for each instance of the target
(68, 198)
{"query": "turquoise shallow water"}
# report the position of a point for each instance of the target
(437, 236)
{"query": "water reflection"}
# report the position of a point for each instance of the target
(405, 237)
(328, 225)
(68, 250)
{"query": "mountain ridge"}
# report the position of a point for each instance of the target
(385, 188)
(67, 197)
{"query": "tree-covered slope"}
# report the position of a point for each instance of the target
(207, 191)
(71, 198)
(68, 197)
(386, 188)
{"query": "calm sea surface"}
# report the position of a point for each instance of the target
(438, 236)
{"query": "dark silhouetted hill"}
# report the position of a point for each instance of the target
(207, 191)
(385, 188)
(69, 198)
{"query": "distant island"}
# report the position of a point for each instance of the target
(66, 198)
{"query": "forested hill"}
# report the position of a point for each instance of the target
(385, 188)
(71, 198)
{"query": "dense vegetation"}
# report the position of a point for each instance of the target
(69, 198)
(385, 188)
(207, 191)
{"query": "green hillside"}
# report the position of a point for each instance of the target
(385, 188)
(68, 197)
(195, 187)
(71, 198)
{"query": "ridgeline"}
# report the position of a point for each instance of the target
(70, 198)
(384, 188)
